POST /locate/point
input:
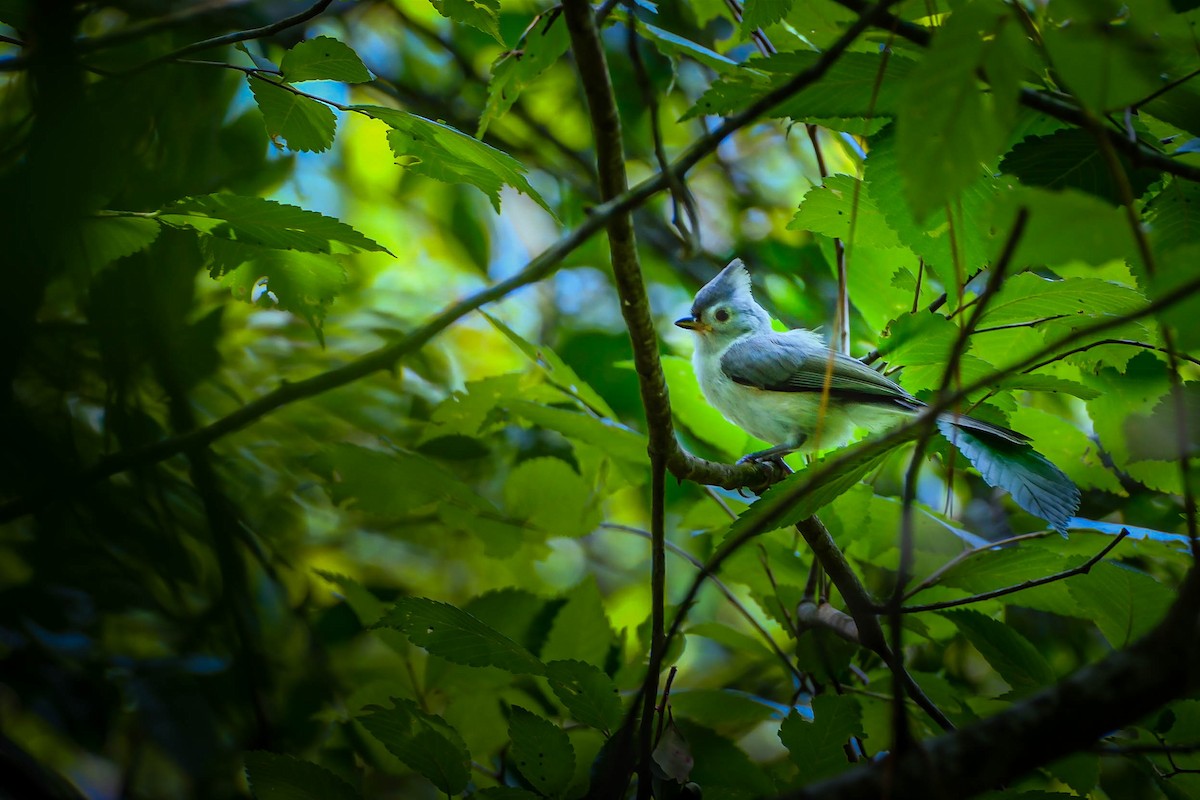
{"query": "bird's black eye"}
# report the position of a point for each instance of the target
(722, 315)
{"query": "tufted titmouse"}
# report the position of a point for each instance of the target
(771, 384)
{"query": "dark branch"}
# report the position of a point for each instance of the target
(1043, 102)
(1071, 716)
(1020, 587)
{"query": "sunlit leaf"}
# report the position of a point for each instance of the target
(438, 151)
(301, 122)
(516, 69)
(323, 58)
(480, 14)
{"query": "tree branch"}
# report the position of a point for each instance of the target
(627, 273)
(1045, 103)
(1020, 587)
(1071, 716)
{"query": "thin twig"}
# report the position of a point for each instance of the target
(1042, 101)
(932, 578)
(681, 196)
(1082, 569)
(723, 589)
(237, 36)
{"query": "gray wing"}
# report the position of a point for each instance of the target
(781, 362)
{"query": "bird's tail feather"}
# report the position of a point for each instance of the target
(1005, 459)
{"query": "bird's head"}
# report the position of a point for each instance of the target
(725, 309)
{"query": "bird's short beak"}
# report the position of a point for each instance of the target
(692, 324)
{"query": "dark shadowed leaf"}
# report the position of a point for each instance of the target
(589, 695)
(457, 636)
(818, 746)
(266, 223)
(541, 752)
(424, 742)
(1016, 660)
(281, 777)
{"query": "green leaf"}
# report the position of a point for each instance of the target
(1080, 771)
(519, 614)
(556, 370)
(672, 44)
(1028, 296)
(612, 438)
(722, 768)
(1067, 446)
(459, 637)
(817, 747)
(280, 777)
(425, 742)
(393, 484)
(438, 151)
(1071, 159)
(303, 283)
(1037, 382)
(1064, 227)
(515, 70)
(728, 710)
(1014, 565)
(581, 629)
(479, 14)
(1173, 216)
(1012, 656)
(266, 223)
(102, 240)
(303, 123)
(949, 245)
(948, 127)
(366, 606)
(858, 85)
(1124, 603)
(541, 752)
(1108, 63)
(549, 495)
(589, 695)
(323, 58)
(925, 337)
(761, 13)
(783, 513)
(829, 209)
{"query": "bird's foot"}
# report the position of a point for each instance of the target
(773, 466)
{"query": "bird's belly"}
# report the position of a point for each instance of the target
(775, 417)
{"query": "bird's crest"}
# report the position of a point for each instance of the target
(730, 282)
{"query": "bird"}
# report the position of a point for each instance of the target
(790, 389)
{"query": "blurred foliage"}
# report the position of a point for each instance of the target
(433, 579)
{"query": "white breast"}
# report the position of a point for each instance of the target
(774, 417)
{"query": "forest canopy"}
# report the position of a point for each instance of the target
(349, 450)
